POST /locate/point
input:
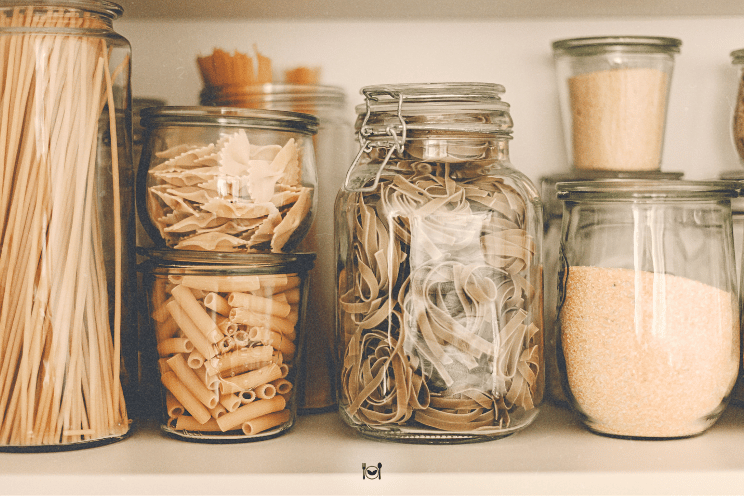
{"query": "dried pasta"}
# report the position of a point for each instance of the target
(229, 196)
(210, 384)
(435, 300)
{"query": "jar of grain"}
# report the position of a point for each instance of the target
(648, 345)
(613, 93)
(439, 270)
(553, 214)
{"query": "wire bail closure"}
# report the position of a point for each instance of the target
(397, 133)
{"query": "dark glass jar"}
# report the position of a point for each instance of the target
(439, 271)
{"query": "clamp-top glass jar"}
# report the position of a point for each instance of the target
(67, 216)
(439, 272)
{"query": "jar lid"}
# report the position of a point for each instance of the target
(278, 120)
(602, 44)
(273, 95)
(104, 7)
(636, 189)
(258, 262)
(592, 175)
(459, 107)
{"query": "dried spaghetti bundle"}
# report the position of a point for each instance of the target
(61, 277)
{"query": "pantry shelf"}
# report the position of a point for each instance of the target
(431, 9)
(321, 455)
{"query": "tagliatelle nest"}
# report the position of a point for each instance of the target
(229, 196)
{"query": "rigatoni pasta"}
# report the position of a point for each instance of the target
(218, 381)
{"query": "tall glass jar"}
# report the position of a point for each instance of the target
(649, 319)
(333, 145)
(67, 227)
(439, 272)
(613, 92)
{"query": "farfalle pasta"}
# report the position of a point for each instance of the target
(208, 185)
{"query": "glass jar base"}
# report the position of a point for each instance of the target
(414, 434)
(54, 448)
(230, 437)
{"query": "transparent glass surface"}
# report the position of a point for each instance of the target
(224, 342)
(648, 339)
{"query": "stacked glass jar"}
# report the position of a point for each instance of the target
(439, 273)
(333, 144)
(227, 195)
(613, 93)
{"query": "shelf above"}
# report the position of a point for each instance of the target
(322, 455)
(426, 10)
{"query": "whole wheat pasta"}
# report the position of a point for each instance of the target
(266, 422)
(193, 383)
(435, 298)
(196, 313)
(249, 412)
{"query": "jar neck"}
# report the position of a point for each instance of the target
(63, 14)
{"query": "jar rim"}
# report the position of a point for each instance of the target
(595, 45)
(649, 189)
(413, 96)
(230, 117)
(103, 7)
(259, 262)
(594, 175)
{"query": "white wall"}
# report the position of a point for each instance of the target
(516, 54)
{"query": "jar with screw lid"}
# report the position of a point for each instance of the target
(439, 272)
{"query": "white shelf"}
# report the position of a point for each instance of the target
(429, 9)
(321, 455)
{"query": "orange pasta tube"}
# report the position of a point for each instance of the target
(186, 423)
(172, 346)
(253, 319)
(222, 284)
(196, 313)
(189, 378)
(190, 330)
(265, 391)
(283, 386)
(259, 304)
(251, 379)
(231, 402)
(184, 396)
(217, 303)
(172, 405)
(240, 358)
(250, 411)
(274, 339)
(266, 422)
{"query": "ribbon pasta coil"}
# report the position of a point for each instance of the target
(436, 303)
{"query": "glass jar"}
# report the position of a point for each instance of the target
(551, 248)
(613, 93)
(333, 145)
(226, 179)
(649, 320)
(67, 206)
(225, 341)
(737, 124)
(439, 272)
